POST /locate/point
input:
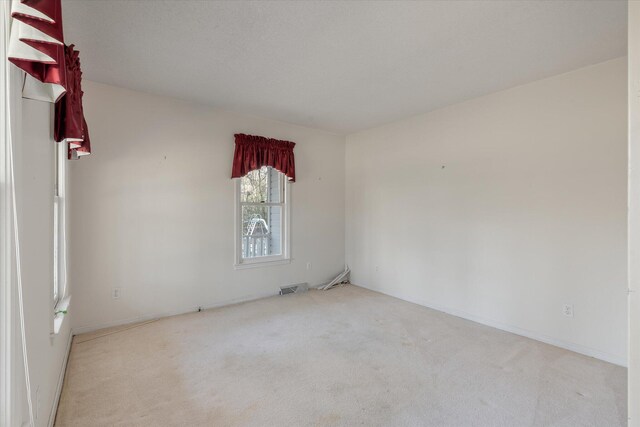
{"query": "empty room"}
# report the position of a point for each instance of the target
(319, 213)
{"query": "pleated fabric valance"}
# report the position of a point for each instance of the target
(70, 124)
(36, 46)
(52, 68)
(252, 152)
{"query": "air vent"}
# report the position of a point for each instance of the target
(294, 289)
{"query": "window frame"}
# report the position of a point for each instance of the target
(263, 261)
(8, 329)
(59, 286)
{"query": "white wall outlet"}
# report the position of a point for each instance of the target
(567, 310)
(308, 265)
(115, 293)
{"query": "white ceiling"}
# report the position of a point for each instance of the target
(339, 66)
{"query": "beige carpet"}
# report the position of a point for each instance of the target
(344, 357)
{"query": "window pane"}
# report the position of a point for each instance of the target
(261, 186)
(59, 255)
(56, 249)
(261, 231)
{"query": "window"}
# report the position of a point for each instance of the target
(262, 213)
(59, 237)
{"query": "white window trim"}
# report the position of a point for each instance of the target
(57, 293)
(60, 313)
(12, 398)
(62, 300)
(7, 314)
(285, 257)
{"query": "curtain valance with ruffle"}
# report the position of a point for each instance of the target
(252, 152)
(53, 73)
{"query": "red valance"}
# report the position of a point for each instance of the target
(36, 46)
(252, 152)
(70, 124)
(53, 70)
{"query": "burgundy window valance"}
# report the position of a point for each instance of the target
(70, 124)
(36, 46)
(252, 152)
(53, 74)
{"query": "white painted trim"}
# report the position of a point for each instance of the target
(633, 216)
(60, 314)
(58, 392)
(587, 351)
(6, 312)
(60, 243)
(237, 221)
(262, 263)
(176, 312)
(151, 316)
(10, 112)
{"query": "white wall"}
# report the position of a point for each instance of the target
(502, 209)
(153, 209)
(34, 166)
(634, 214)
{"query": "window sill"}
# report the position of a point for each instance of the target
(256, 264)
(60, 311)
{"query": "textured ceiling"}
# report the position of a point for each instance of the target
(339, 66)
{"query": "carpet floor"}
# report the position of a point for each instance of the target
(344, 357)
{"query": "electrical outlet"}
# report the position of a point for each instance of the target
(115, 293)
(567, 310)
(308, 265)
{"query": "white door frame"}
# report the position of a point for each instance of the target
(634, 215)
(7, 388)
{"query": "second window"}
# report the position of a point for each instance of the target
(262, 211)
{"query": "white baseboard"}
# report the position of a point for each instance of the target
(158, 315)
(587, 351)
(58, 392)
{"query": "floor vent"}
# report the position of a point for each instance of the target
(294, 289)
